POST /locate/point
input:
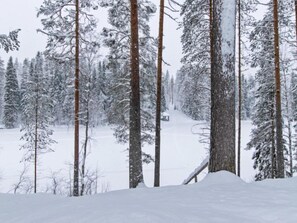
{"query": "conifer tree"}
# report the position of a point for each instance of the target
(159, 97)
(195, 85)
(280, 162)
(10, 42)
(263, 135)
(67, 24)
(11, 97)
(24, 80)
(2, 80)
(222, 146)
(36, 105)
(135, 163)
(117, 39)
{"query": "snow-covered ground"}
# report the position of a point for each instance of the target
(181, 153)
(219, 197)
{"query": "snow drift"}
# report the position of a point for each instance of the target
(220, 197)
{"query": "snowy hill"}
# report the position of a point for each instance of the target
(220, 197)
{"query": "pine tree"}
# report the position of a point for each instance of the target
(195, 39)
(222, 146)
(263, 135)
(239, 88)
(36, 105)
(159, 97)
(67, 24)
(248, 84)
(2, 79)
(119, 90)
(167, 90)
(24, 80)
(273, 162)
(11, 97)
(10, 42)
(286, 69)
(280, 169)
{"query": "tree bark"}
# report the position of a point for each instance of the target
(159, 93)
(83, 165)
(279, 126)
(222, 137)
(239, 89)
(36, 140)
(76, 105)
(273, 157)
(135, 161)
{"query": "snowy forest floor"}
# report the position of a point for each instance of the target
(219, 197)
(181, 153)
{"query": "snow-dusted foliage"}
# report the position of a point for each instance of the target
(195, 72)
(264, 133)
(248, 99)
(58, 20)
(2, 81)
(11, 97)
(117, 39)
(10, 42)
(36, 106)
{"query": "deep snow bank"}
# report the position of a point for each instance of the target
(220, 197)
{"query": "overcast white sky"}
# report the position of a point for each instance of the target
(22, 14)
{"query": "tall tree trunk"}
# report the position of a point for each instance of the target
(76, 105)
(36, 142)
(135, 161)
(239, 88)
(83, 165)
(159, 93)
(279, 126)
(222, 137)
(273, 155)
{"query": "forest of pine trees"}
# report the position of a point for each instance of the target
(72, 84)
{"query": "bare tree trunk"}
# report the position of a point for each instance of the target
(239, 89)
(36, 142)
(279, 126)
(273, 157)
(83, 165)
(76, 102)
(159, 93)
(135, 161)
(222, 136)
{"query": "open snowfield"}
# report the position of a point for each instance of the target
(181, 153)
(219, 197)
